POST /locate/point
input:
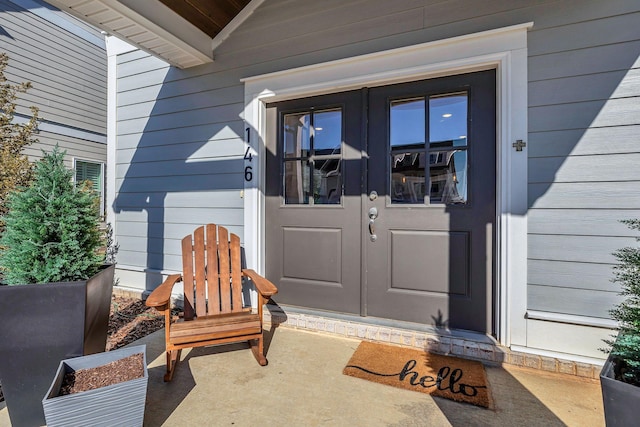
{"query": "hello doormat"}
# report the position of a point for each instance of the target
(449, 377)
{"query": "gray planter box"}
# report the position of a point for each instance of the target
(621, 400)
(42, 325)
(115, 405)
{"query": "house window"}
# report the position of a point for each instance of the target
(93, 172)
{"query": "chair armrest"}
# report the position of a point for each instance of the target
(161, 296)
(263, 286)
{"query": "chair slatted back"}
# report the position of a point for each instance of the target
(212, 275)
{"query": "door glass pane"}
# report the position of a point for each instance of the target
(407, 123)
(407, 177)
(327, 182)
(448, 129)
(296, 182)
(327, 135)
(297, 135)
(448, 119)
(448, 176)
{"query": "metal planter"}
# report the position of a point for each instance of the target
(621, 400)
(115, 405)
(40, 325)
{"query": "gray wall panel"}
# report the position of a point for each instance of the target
(596, 168)
(68, 73)
(580, 142)
(596, 249)
(581, 222)
(580, 302)
(566, 274)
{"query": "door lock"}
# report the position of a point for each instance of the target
(373, 213)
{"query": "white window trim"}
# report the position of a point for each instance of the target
(504, 49)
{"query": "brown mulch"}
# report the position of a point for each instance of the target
(118, 371)
(131, 320)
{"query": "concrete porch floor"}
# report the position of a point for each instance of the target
(303, 385)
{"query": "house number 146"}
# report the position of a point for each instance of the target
(248, 157)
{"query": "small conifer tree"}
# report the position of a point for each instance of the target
(626, 348)
(16, 171)
(52, 228)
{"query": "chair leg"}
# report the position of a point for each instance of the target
(257, 347)
(173, 357)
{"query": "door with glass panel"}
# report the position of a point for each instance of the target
(313, 201)
(430, 210)
(381, 201)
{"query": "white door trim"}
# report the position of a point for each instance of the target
(504, 49)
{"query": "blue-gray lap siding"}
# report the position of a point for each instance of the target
(68, 72)
(180, 132)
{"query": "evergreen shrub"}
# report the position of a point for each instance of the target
(626, 348)
(52, 228)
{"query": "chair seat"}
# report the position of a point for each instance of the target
(206, 328)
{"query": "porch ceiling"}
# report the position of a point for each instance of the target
(182, 32)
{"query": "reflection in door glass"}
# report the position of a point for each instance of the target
(407, 122)
(296, 182)
(327, 182)
(407, 144)
(312, 146)
(448, 176)
(448, 119)
(448, 148)
(297, 135)
(407, 177)
(327, 132)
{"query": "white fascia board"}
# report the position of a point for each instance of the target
(235, 23)
(153, 21)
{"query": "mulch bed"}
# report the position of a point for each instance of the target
(129, 321)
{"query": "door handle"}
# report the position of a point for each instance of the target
(373, 214)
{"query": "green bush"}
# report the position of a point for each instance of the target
(626, 347)
(52, 228)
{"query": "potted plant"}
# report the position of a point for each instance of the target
(50, 248)
(620, 376)
(103, 389)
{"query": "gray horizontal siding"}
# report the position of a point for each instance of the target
(582, 222)
(584, 125)
(68, 73)
(571, 301)
(585, 195)
(75, 147)
(568, 274)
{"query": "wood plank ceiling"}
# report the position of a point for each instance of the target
(210, 16)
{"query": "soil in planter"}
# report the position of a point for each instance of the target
(118, 371)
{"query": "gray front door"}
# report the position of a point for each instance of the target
(313, 201)
(381, 201)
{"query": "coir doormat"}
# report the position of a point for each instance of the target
(449, 377)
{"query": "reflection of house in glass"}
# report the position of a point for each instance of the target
(447, 173)
(312, 147)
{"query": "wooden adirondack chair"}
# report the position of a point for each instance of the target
(213, 309)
